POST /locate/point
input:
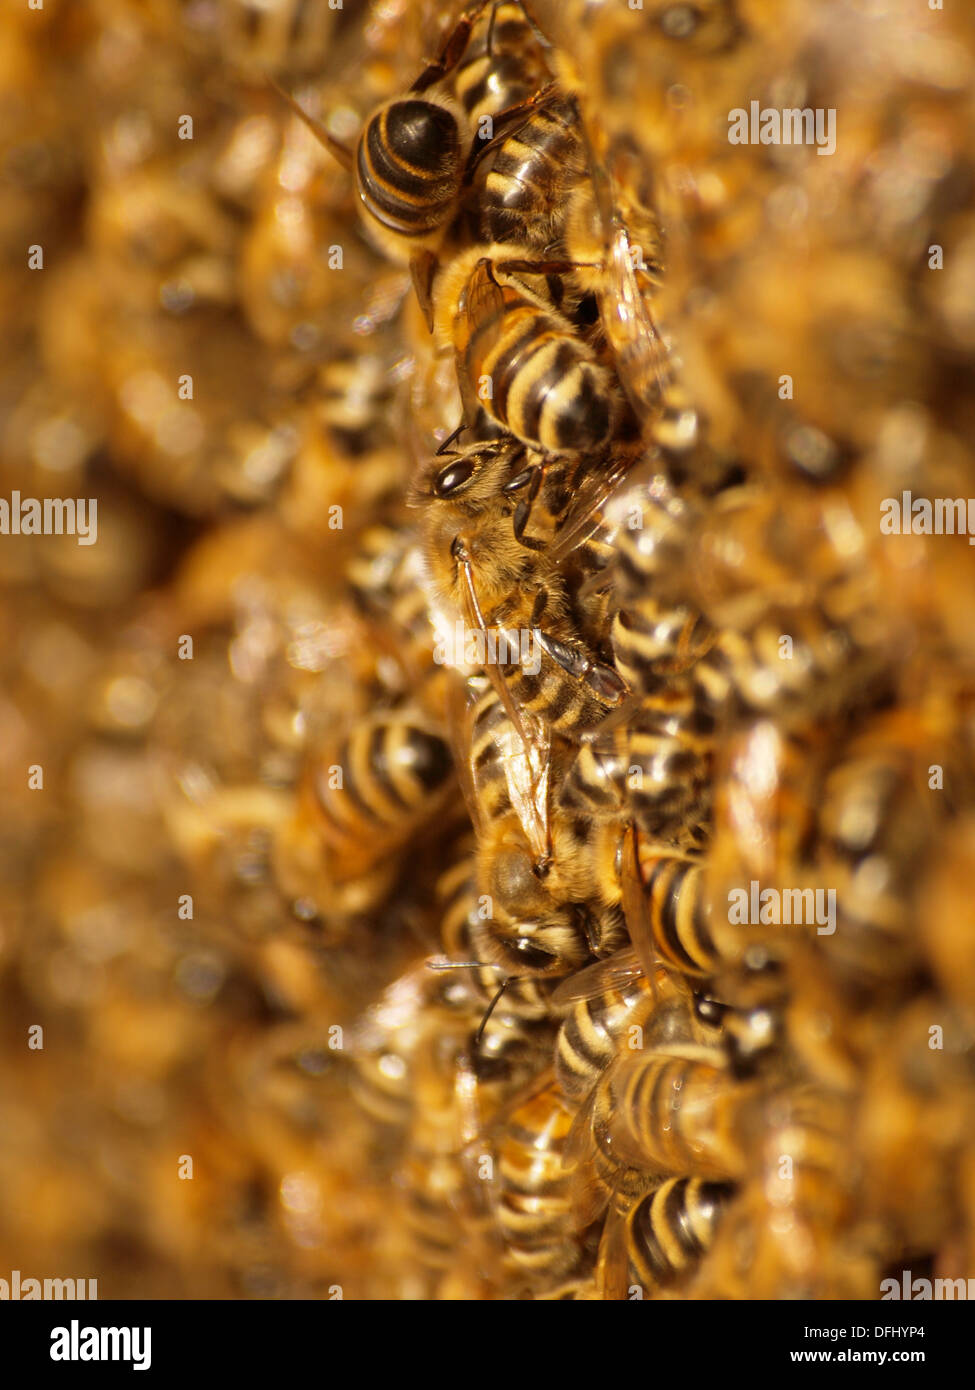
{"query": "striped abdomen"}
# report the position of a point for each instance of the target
(675, 1115)
(490, 79)
(672, 1227)
(588, 1039)
(680, 915)
(384, 780)
(545, 386)
(525, 190)
(535, 1208)
(409, 163)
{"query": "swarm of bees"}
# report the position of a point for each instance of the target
(571, 784)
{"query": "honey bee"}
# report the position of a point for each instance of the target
(656, 770)
(462, 909)
(386, 581)
(792, 1232)
(914, 1121)
(533, 1202)
(540, 912)
(621, 272)
(879, 818)
(796, 628)
(676, 1114)
(657, 632)
(528, 174)
(384, 1042)
(510, 591)
(605, 1001)
(670, 1104)
(659, 1240)
(411, 155)
(445, 1206)
(272, 35)
(519, 357)
(359, 804)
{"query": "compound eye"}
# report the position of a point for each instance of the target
(532, 956)
(708, 1010)
(453, 477)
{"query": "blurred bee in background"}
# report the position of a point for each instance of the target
(658, 1240)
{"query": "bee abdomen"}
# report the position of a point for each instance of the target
(679, 915)
(409, 166)
(672, 1227)
(384, 779)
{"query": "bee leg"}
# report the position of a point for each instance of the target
(341, 153)
(542, 267)
(422, 267)
(604, 682)
(452, 50)
(530, 477)
(520, 520)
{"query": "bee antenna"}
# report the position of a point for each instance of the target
(508, 980)
(450, 439)
(460, 965)
(335, 147)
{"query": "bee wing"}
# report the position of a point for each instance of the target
(399, 1006)
(623, 308)
(482, 303)
(636, 912)
(589, 1195)
(599, 978)
(613, 1260)
(526, 758)
(640, 353)
(460, 711)
(585, 516)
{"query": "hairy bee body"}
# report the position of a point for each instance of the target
(663, 1235)
(520, 358)
(534, 1207)
(675, 1114)
(530, 174)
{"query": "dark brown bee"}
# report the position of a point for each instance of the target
(529, 173)
(410, 158)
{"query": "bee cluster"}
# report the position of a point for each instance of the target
(508, 799)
